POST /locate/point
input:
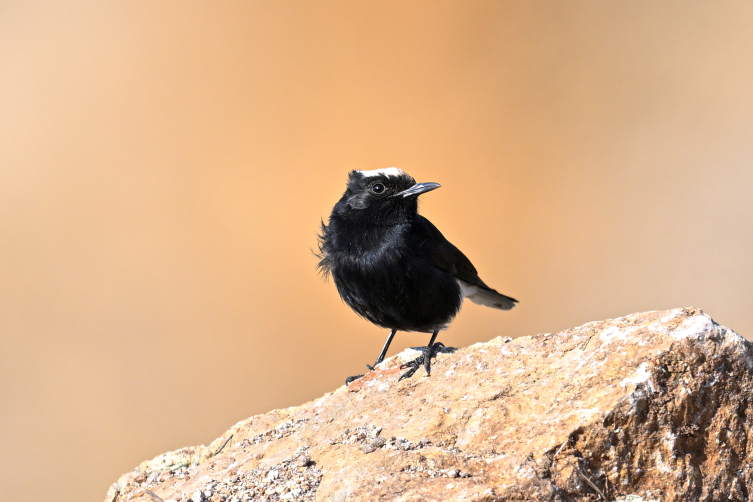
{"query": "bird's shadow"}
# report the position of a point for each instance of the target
(442, 350)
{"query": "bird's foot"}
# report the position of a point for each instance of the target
(424, 359)
(350, 379)
(356, 377)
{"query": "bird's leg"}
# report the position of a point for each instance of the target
(384, 350)
(379, 359)
(424, 359)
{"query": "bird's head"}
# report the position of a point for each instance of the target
(382, 196)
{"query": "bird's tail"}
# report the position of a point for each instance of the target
(490, 298)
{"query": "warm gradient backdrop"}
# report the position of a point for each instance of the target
(164, 166)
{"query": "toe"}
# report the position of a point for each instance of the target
(351, 379)
(429, 352)
(415, 364)
(408, 373)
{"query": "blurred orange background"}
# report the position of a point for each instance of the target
(164, 167)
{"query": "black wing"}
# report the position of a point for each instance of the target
(426, 241)
(429, 243)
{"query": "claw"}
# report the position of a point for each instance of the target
(424, 359)
(414, 363)
(351, 379)
(409, 373)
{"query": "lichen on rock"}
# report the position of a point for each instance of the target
(652, 406)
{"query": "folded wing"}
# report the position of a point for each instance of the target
(428, 242)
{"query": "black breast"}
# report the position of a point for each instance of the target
(382, 280)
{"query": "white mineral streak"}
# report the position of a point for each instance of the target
(694, 327)
(642, 375)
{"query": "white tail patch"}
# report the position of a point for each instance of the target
(485, 297)
(467, 290)
(390, 171)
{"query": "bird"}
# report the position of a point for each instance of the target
(393, 267)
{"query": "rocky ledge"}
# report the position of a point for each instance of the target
(652, 406)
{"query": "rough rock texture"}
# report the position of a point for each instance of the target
(653, 406)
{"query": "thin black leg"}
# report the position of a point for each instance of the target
(433, 337)
(384, 350)
(379, 359)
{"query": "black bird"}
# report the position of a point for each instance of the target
(392, 266)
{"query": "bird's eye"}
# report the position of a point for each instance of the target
(377, 188)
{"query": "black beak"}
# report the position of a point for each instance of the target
(418, 189)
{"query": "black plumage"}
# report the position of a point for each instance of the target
(392, 266)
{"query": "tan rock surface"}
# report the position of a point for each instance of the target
(655, 405)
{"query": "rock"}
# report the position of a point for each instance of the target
(378, 442)
(653, 406)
